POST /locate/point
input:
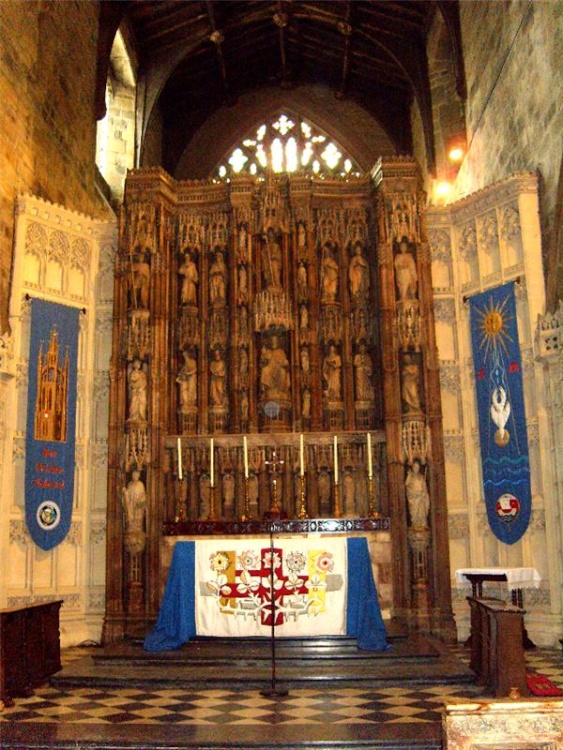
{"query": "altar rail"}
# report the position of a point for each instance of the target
(281, 526)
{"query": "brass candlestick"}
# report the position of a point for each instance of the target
(372, 512)
(303, 508)
(337, 513)
(245, 515)
(212, 514)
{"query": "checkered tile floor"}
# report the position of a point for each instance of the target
(224, 707)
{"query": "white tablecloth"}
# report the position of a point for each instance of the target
(516, 578)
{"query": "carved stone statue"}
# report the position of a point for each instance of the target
(303, 317)
(302, 279)
(242, 285)
(190, 281)
(418, 500)
(329, 275)
(363, 368)
(406, 275)
(137, 387)
(306, 408)
(410, 388)
(140, 282)
(358, 274)
(332, 374)
(274, 371)
(134, 502)
(305, 366)
(218, 280)
(187, 380)
(218, 369)
(271, 260)
(244, 407)
(143, 239)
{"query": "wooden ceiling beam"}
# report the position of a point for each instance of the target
(345, 28)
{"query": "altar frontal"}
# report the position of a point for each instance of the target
(321, 586)
(235, 582)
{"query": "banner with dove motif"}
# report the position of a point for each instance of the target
(502, 417)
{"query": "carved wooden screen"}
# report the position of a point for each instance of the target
(247, 315)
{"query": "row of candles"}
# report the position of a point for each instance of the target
(301, 458)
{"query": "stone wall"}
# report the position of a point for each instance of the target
(47, 126)
(515, 88)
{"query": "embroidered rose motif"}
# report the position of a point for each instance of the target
(219, 562)
(325, 562)
(249, 560)
(295, 561)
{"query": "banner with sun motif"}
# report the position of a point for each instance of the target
(242, 584)
(51, 421)
(502, 417)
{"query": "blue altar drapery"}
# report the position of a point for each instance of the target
(176, 620)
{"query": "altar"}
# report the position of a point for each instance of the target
(293, 587)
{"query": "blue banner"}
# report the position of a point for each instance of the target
(51, 422)
(502, 417)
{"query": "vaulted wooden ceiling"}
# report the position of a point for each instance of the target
(197, 56)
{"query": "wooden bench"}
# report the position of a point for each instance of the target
(497, 652)
(30, 650)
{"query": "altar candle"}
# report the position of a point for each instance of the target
(335, 460)
(211, 465)
(301, 456)
(245, 446)
(180, 475)
(370, 468)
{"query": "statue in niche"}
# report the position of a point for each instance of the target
(271, 260)
(137, 388)
(410, 388)
(303, 317)
(187, 380)
(358, 274)
(329, 275)
(306, 406)
(242, 239)
(301, 236)
(418, 500)
(217, 390)
(243, 362)
(242, 285)
(134, 503)
(188, 270)
(332, 374)
(274, 371)
(363, 368)
(218, 280)
(406, 276)
(302, 280)
(143, 240)
(140, 282)
(305, 366)
(244, 407)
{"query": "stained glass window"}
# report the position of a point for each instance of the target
(287, 144)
